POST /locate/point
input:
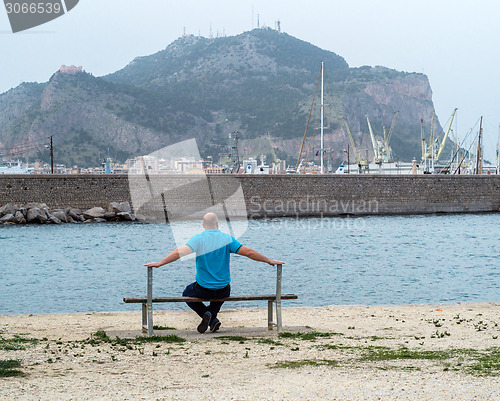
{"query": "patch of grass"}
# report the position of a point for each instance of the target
(163, 328)
(386, 354)
(16, 343)
(269, 341)
(487, 362)
(337, 347)
(310, 335)
(376, 338)
(7, 368)
(232, 338)
(101, 337)
(171, 338)
(303, 362)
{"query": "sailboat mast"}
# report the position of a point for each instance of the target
(322, 107)
(479, 163)
(498, 151)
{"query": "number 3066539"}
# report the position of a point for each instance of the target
(32, 8)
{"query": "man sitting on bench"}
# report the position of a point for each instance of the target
(212, 249)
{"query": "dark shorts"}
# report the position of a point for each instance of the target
(197, 291)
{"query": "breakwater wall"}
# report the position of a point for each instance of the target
(261, 196)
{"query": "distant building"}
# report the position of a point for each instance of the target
(214, 169)
(250, 165)
(71, 69)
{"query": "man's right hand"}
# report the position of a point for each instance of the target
(152, 264)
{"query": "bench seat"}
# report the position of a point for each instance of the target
(228, 299)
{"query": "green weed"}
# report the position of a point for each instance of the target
(385, 354)
(101, 337)
(232, 338)
(7, 368)
(303, 362)
(310, 335)
(269, 341)
(16, 343)
(163, 328)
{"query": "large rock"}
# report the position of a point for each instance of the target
(75, 214)
(59, 214)
(53, 219)
(94, 213)
(126, 216)
(125, 206)
(114, 207)
(110, 216)
(19, 218)
(35, 214)
(8, 218)
(8, 209)
(117, 207)
(44, 215)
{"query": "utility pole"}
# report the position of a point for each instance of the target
(51, 156)
(348, 159)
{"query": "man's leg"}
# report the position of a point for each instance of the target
(198, 307)
(215, 306)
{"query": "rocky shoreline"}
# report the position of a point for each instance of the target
(40, 213)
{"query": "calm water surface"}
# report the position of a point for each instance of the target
(372, 260)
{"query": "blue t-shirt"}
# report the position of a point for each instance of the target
(212, 249)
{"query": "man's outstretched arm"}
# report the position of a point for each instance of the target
(172, 256)
(254, 255)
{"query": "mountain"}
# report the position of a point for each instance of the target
(260, 83)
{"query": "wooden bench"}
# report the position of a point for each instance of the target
(147, 303)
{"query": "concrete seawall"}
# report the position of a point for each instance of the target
(264, 196)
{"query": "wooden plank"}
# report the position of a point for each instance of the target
(191, 299)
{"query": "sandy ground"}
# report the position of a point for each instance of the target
(245, 361)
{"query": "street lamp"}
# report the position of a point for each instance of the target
(51, 147)
(348, 159)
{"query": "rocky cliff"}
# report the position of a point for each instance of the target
(260, 83)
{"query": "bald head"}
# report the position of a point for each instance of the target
(210, 220)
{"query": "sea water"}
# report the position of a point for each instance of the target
(367, 260)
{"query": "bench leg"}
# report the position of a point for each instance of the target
(150, 301)
(144, 318)
(279, 273)
(270, 315)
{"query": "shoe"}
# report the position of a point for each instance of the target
(203, 326)
(215, 325)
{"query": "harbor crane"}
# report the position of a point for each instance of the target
(435, 149)
(357, 153)
(381, 149)
(387, 138)
(376, 143)
(441, 147)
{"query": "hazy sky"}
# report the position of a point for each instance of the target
(455, 43)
